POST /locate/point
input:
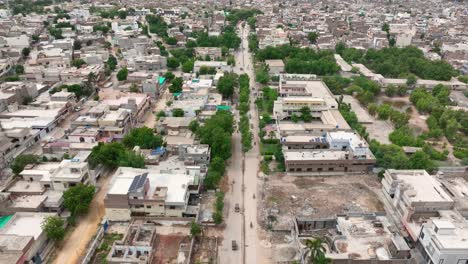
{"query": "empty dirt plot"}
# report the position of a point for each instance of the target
(167, 248)
(378, 129)
(205, 250)
(288, 197)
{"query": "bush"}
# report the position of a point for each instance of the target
(21, 161)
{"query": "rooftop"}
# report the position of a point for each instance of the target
(424, 187)
(176, 182)
(25, 224)
(364, 238)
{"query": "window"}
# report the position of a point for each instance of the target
(148, 206)
(172, 207)
(462, 261)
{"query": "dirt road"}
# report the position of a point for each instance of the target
(75, 244)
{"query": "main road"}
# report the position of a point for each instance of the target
(242, 174)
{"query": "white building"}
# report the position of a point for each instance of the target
(444, 240)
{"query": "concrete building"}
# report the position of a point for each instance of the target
(414, 194)
(136, 247)
(195, 155)
(345, 152)
(275, 67)
(155, 191)
(218, 65)
(213, 53)
(367, 238)
(148, 63)
(25, 228)
(444, 240)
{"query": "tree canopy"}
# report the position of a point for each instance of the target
(226, 84)
(21, 161)
(301, 60)
(78, 198)
(396, 62)
(53, 226)
(114, 155)
(143, 137)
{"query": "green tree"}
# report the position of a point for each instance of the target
(161, 114)
(306, 116)
(122, 14)
(113, 155)
(177, 112)
(451, 128)
(143, 137)
(312, 37)
(420, 160)
(25, 52)
(111, 62)
(195, 229)
(172, 63)
(176, 85)
(78, 198)
(53, 226)
(187, 66)
(193, 126)
(226, 84)
(171, 41)
(122, 74)
(169, 76)
(411, 80)
(134, 88)
(316, 249)
(78, 63)
(386, 27)
(19, 69)
(77, 44)
(21, 161)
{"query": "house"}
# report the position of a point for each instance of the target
(154, 191)
(275, 67)
(337, 153)
(218, 65)
(26, 229)
(213, 53)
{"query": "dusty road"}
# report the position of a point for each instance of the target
(243, 169)
(75, 244)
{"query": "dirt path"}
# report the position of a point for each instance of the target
(75, 244)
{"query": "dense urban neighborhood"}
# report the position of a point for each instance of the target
(234, 132)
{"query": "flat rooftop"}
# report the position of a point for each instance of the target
(176, 182)
(363, 238)
(426, 187)
(457, 237)
(314, 155)
(25, 224)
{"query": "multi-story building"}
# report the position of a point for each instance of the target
(443, 240)
(339, 152)
(414, 194)
(154, 191)
(212, 52)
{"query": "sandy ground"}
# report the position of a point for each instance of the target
(75, 243)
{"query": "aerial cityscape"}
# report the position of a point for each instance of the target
(234, 132)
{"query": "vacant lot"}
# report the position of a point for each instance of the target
(167, 247)
(288, 197)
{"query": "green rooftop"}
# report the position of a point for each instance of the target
(223, 107)
(4, 220)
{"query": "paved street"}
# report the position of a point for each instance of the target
(238, 225)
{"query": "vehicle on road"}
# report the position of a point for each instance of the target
(237, 208)
(234, 245)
